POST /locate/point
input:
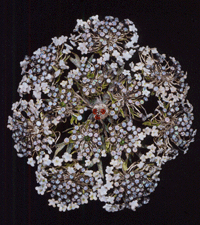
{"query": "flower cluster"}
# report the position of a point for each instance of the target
(99, 116)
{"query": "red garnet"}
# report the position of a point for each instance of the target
(94, 111)
(103, 111)
(97, 117)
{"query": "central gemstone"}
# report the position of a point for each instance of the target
(100, 111)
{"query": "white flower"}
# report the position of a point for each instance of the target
(93, 196)
(109, 185)
(72, 206)
(45, 87)
(31, 162)
(37, 94)
(52, 202)
(60, 40)
(24, 87)
(100, 60)
(46, 160)
(132, 28)
(103, 153)
(49, 77)
(158, 161)
(67, 157)
(50, 140)
(77, 166)
(154, 132)
(57, 73)
(95, 160)
(132, 66)
(142, 158)
(107, 207)
(41, 189)
(71, 170)
(57, 161)
(82, 47)
(139, 66)
(68, 49)
(149, 61)
(137, 143)
(116, 176)
(95, 19)
(141, 136)
(102, 191)
(24, 64)
(154, 50)
(88, 162)
(80, 22)
(134, 38)
(126, 72)
(110, 199)
(116, 163)
(130, 44)
(62, 207)
(113, 65)
(106, 56)
(109, 169)
(145, 92)
(56, 121)
(126, 55)
(137, 76)
(160, 142)
(173, 89)
(37, 52)
(108, 177)
(63, 83)
(140, 165)
(152, 148)
(63, 65)
(84, 199)
(115, 53)
(134, 204)
(88, 173)
(149, 155)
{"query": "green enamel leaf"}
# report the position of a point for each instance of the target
(122, 112)
(111, 97)
(76, 61)
(69, 147)
(90, 75)
(124, 166)
(59, 148)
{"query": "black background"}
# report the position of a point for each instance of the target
(171, 26)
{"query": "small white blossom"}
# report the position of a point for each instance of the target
(67, 157)
(31, 162)
(109, 169)
(106, 57)
(37, 52)
(52, 202)
(60, 40)
(63, 65)
(46, 160)
(93, 196)
(84, 199)
(126, 55)
(57, 161)
(116, 53)
(132, 28)
(134, 204)
(57, 73)
(82, 47)
(71, 170)
(152, 148)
